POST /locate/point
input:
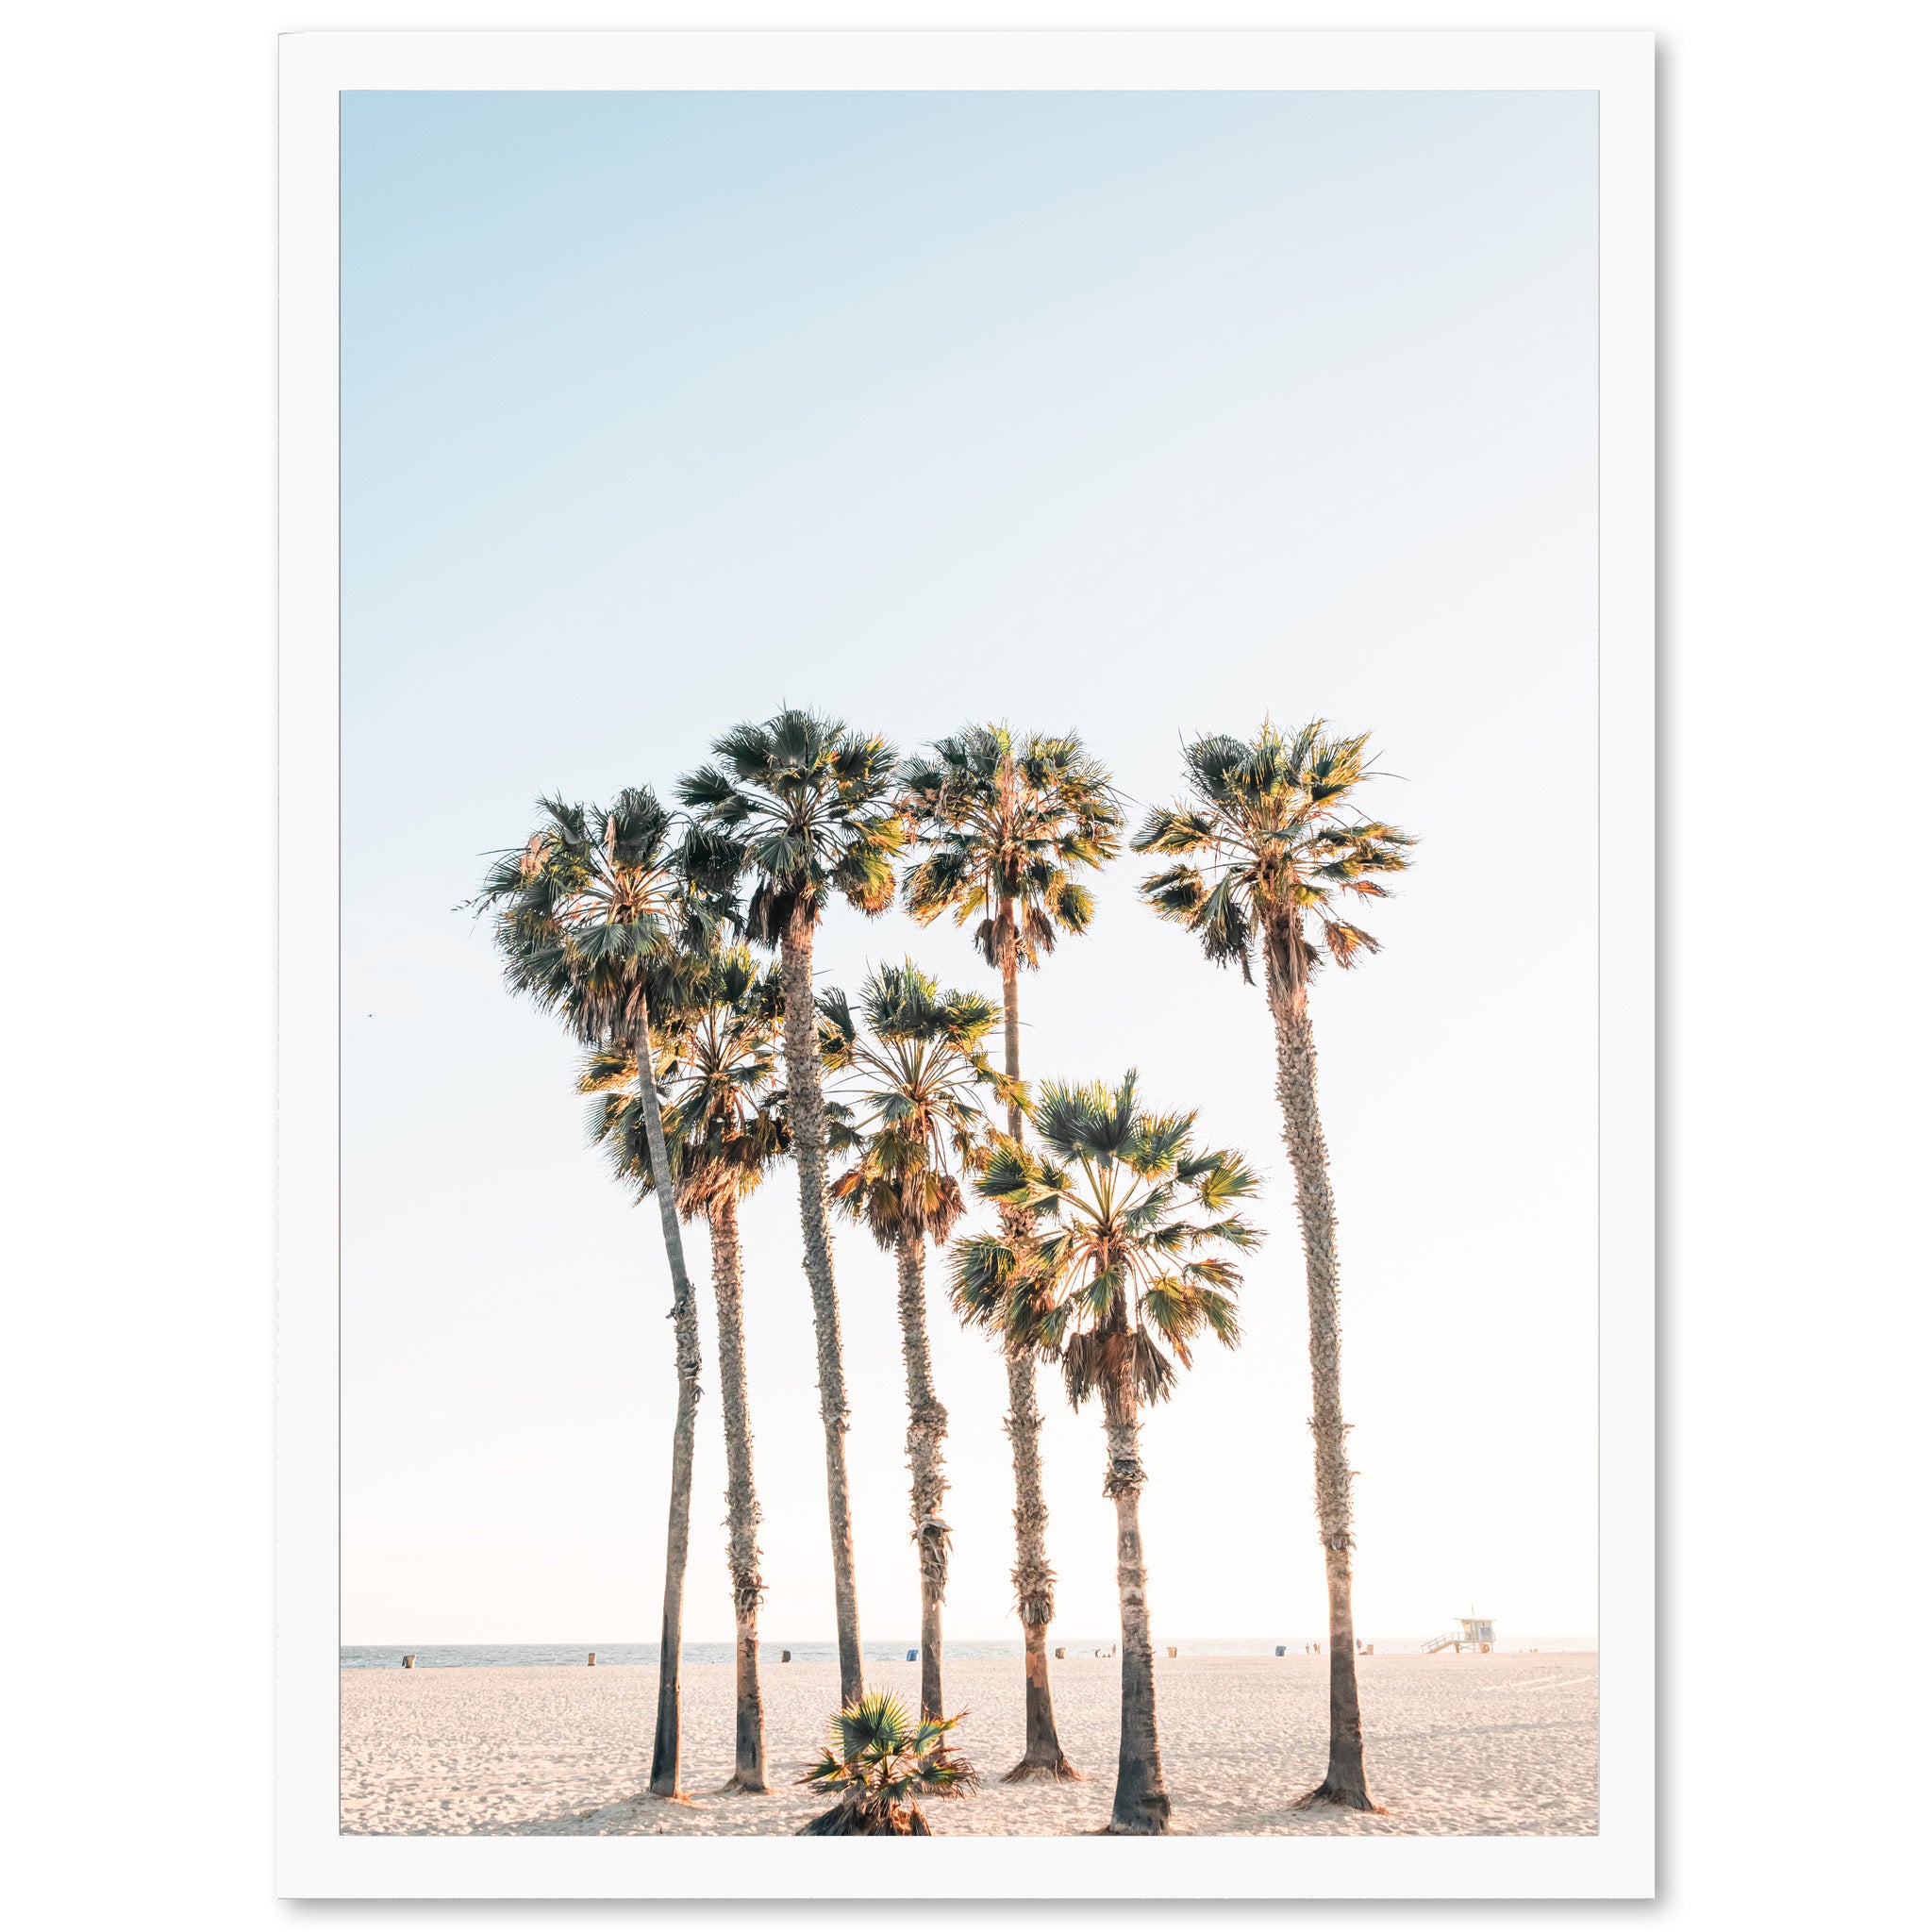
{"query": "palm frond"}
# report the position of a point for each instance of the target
(1003, 822)
(906, 1063)
(1270, 830)
(804, 804)
(877, 1761)
(1117, 1276)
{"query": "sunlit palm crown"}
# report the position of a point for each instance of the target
(717, 1074)
(804, 804)
(602, 904)
(1127, 1272)
(909, 1069)
(1006, 824)
(1270, 838)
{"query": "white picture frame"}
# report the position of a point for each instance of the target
(316, 1859)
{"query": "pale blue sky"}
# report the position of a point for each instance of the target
(1139, 413)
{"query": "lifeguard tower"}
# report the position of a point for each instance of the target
(1477, 1633)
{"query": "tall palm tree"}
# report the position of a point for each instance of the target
(1117, 1292)
(914, 1067)
(804, 804)
(1267, 839)
(1006, 824)
(597, 915)
(725, 1131)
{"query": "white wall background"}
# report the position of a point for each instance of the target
(139, 642)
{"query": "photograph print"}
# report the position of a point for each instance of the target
(968, 963)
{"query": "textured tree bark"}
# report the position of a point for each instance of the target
(806, 1093)
(684, 1314)
(741, 1503)
(1140, 1797)
(925, 1433)
(1346, 1782)
(1009, 1002)
(1032, 1574)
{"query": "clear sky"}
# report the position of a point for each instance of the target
(1141, 414)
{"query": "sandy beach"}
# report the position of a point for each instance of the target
(1473, 1745)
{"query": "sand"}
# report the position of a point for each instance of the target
(1499, 1744)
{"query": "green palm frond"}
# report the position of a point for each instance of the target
(803, 804)
(1009, 1174)
(981, 1276)
(603, 913)
(1272, 838)
(838, 1029)
(878, 1760)
(875, 1723)
(1003, 822)
(1119, 1265)
(907, 1062)
(723, 1116)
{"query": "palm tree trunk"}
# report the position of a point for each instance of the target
(1140, 1797)
(1346, 1782)
(926, 1433)
(741, 1503)
(1009, 1002)
(684, 1314)
(807, 1101)
(1032, 1574)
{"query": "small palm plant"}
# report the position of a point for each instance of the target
(803, 805)
(877, 1763)
(1269, 839)
(598, 914)
(1127, 1274)
(725, 1131)
(914, 1072)
(1006, 825)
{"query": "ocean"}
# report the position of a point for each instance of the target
(389, 1656)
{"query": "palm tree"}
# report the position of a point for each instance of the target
(725, 1130)
(1005, 825)
(877, 1762)
(913, 1070)
(803, 804)
(597, 915)
(1267, 839)
(1116, 1292)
